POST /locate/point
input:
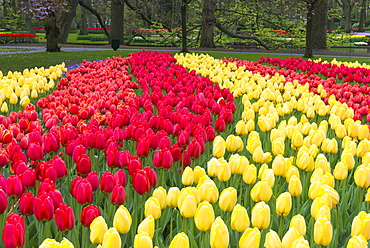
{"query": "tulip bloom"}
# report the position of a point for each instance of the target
(357, 242)
(141, 182)
(35, 151)
(219, 147)
(239, 219)
(250, 174)
(361, 225)
(250, 238)
(172, 196)
(14, 187)
(261, 215)
(219, 234)
(187, 204)
(122, 220)
(64, 217)
(48, 243)
(204, 216)
(88, 214)
(107, 182)
(362, 176)
(111, 239)
(143, 240)
(261, 191)
(273, 240)
(323, 231)
(83, 165)
(187, 177)
(295, 186)
(299, 223)
(14, 231)
(147, 226)
(228, 199)
(161, 195)
(118, 196)
(283, 204)
(152, 207)
(3, 201)
(180, 240)
(98, 228)
(43, 207)
(81, 190)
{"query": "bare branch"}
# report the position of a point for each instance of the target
(96, 13)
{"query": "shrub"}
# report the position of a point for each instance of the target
(99, 38)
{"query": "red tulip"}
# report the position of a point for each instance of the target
(134, 165)
(142, 147)
(124, 158)
(176, 151)
(120, 177)
(46, 170)
(93, 179)
(107, 182)
(83, 165)
(56, 196)
(141, 182)
(43, 207)
(60, 166)
(26, 203)
(50, 143)
(6, 136)
(28, 178)
(194, 149)
(185, 159)
(118, 196)
(88, 214)
(14, 187)
(99, 141)
(4, 157)
(64, 217)
(35, 151)
(3, 201)
(14, 231)
(210, 133)
(81, 190)
(113, 158)
(220, 124)
(184, 138)
(46, 186)
(152, 175)
(78, 150)
(24, 143)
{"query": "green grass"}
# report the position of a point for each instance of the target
(20, 61)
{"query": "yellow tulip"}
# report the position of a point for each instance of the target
(299, 223)
(219, 147)
(239, 219)
(161, 195)
(272, 240)
(300, 243)
(278, 165)
(268, 174)
(262, 170)
(112, 239)
(187, 176)
(261, 215)
(143, 240)
(234, 143)
(50, 243)
(152, 207)
(204, 216)
(65, 243)
(297, 140)
(219, 234)
(24, 101)
(363, 148)
(241, 128)
(340, 171)
(13, 99)
(228, 199)
(305, 161)
(361, 225)
(278, 147)
(325, 212)
(340, 131)
(291, 171)
(213, 166)
(250, 125)
(122, 220)
(147, 226)
(362, 176)
(172, 196)
(322, 162)
(180, 240)
(188, 204)
(250, 238)
(208, 191)
(290, 236)
(34, 94)
(283, 204)
(250, 174)
(295, 186)
(323, 231)
(224, 172)
(261, 191)
(98, 228)
(357, 242)
(363, 132)
(328, 179)
(4, 108)
(198, 173)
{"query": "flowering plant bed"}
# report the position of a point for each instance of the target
(185, 151)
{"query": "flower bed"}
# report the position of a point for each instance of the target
(6, 38)
(185, 151)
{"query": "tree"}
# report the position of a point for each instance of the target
(347, 6)
(117, 7)
(362, 15)
(48, 11)
(65, 21)
(309, 27)
(184, 33)
(208, 23)
(320, 25)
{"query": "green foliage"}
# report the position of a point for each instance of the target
(84, 37)
(99, 38)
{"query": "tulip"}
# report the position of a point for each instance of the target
(204, 216)
(180, 240)
(224, 172)
(290, 236)
(278, 165)
(250, 174)
(118, 196)
(161, 195)
(273, 240)
(228, 199)
(362, 176)
(107, 182)
(122, 220)
(219, 146)
(111, 239)
(152, 207)
(357, 242)
(143, 240)
(83, 165)
(14, 231)
(219, 234)
(172, 196)
(187, 176)
(81, 190)
(331, 194)
(261, 215)
(299, 223)
(147, 226)
(198, 173)
(234, 143)
(4, 108)
(120, 177)
(14, 187)
(4, 202)
(51, 243)
(277, 147)
(208, 190)
(295, 186)
(187, 203)
(35, 151)
(98, 228)
(283, 204)
(43, 207)
(213, 167)
(141, 182)
(241, 128)
(88, 214)
(261, 191)
(340, 171)
(323, 231)
(93, 179)
(250, 238)
(361, 225)
(64, 217)
(239, 219)
(301, 243)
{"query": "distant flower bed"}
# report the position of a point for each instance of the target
(6, 38)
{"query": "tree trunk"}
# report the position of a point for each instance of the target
(116, 27)
(83, 25)
(65, 21)
(52, 33)
(308, 51)
(347, 8)
(96, 13)
(184, 27)
(319, 24)
(29, 25)
(208, 23)
(362, 16)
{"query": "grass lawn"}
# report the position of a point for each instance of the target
(20, 61)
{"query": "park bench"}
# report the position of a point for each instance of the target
(353, 47)
(241, 45)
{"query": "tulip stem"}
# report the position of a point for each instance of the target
(280, 231)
